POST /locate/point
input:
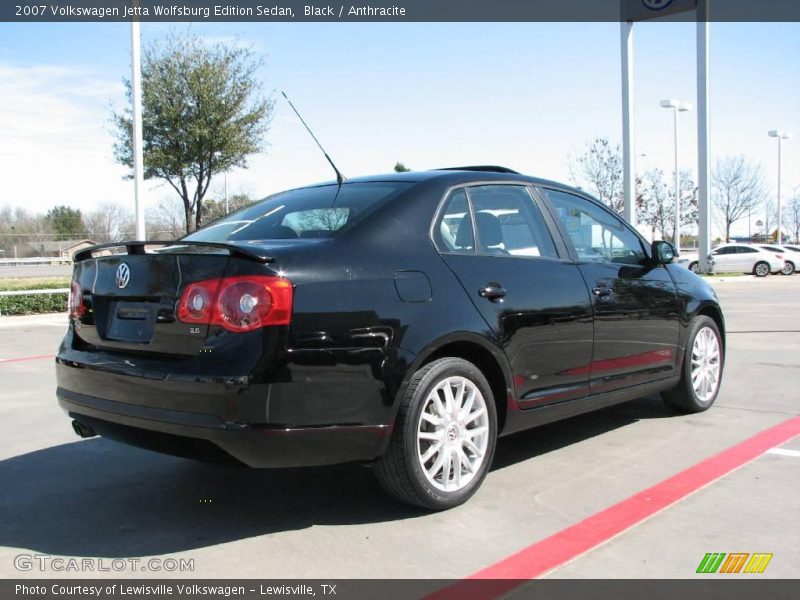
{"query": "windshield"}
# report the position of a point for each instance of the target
(314, 212)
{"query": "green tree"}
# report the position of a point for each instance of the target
(203, 113)
(65, 222)
(401, 168)
(214, 208)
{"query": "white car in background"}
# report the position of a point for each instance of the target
(691, 260)
(747, 258)
(791, 258)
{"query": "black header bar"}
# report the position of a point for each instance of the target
(394, 10)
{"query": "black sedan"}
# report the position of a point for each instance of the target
(405, 320)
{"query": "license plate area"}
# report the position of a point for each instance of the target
(131, 321)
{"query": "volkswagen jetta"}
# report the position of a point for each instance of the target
(405, 320)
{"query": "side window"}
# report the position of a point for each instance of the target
(509, 222)
(746, 250)
(596, 234)
(453, 232)
(722, 251)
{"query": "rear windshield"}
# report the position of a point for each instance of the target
(314, 212)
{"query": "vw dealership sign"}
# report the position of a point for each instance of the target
(639, 10)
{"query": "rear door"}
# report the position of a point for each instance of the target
(497, 241)
(636, 307)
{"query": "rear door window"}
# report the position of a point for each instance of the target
(508, 222)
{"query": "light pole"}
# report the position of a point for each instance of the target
(781, 135)
(677, 106)
(218, 155)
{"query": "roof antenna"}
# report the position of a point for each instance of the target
(339, 177)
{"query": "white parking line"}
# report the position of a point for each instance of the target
(782, 452)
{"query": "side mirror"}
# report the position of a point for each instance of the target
(662, 252)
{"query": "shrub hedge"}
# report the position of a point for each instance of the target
(30, 304)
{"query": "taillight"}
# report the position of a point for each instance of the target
(241, 303)
(75, 302)
(197, 302)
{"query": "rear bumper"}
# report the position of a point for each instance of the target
(313, 408)
(202, 436)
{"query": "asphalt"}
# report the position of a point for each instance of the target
(67, 497)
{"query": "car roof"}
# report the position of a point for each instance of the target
(455, 175)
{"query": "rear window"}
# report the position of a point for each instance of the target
(315, 212)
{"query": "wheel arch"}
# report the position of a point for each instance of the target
(483, 354)
(713, 312)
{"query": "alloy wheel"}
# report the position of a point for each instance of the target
(706, 364)
(452, 434)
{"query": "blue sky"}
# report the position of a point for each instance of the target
(522, 95)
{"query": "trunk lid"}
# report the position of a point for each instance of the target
(130, 300)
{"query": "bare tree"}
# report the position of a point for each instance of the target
(598, 169)
(23, 233)
(793, 217)
(657, 202)
(166, 220)
(324, 219)
(107, 222)
(655, 205)
(738, 188)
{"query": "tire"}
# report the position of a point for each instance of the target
(761, 269)
(788, 268)
(412, 469)
(703, 351)
(694, 267)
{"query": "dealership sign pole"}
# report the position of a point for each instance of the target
(628, 169)
(703, 152)
(641, 10)
(138, 158)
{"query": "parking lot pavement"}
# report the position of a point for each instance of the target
(93, 498)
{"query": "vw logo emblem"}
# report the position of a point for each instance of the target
(123, 275)
(657, 4)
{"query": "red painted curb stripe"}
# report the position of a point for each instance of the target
(23, 358)
(547, 554)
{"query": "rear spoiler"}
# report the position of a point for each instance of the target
(253, 254)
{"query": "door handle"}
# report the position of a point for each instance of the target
(492, 291)
(602, 292)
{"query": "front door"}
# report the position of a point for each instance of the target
(636, 311)
(534, 300)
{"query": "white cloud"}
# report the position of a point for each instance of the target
(55, 143)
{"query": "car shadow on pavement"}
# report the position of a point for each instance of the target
(99, 498)
(541, 440)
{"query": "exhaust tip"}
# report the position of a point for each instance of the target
(82, 430)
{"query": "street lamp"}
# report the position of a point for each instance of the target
(781, 135)
(677, 106)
